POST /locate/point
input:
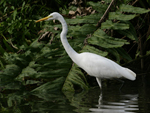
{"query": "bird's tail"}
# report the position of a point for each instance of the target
(133, 75)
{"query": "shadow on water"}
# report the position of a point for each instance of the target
(133, 98)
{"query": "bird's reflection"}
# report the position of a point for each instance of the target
(127, 103)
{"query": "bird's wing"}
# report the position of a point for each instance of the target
(102, 67)
(98, 66)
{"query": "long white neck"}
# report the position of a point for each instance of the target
(71, 52)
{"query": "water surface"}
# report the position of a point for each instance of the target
(134, 97)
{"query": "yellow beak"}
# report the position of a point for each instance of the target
(45, 18)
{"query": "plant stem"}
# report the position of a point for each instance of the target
(104, 15)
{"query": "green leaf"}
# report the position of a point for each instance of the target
(148, 38)
(89, 19)
(100, 38)
(8, 46)
(120, 16)
(23, 4)
(49, 87)
(107, 1)
(8, 76)
(14, 99)
(124, 54)
(36, 44)
(32, 82)
(12, 7)
(13, 85)
(98, 6)
(1, 50)
(11, 70)
(115, 53)
(1, 64)
(14, 14)
(92, 49)
(26, 72)
(5, 9)
(75, 77)
(130, 33)
(132, 9)
(115, 26)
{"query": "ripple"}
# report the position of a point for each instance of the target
(126, 104)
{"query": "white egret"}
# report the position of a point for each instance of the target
(95, 65)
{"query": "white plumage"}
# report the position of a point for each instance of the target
(95, 65)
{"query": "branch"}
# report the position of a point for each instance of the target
(135, 2)
(104, 15)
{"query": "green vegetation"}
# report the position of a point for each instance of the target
(33, 60)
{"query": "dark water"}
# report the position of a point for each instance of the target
(134, 97)
(111, 101)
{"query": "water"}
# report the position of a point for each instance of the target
(116, 103)
(132, 98)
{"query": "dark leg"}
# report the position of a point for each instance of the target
(121, 84)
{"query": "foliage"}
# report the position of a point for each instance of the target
(17, 25)
(18, 28)
(39, 66)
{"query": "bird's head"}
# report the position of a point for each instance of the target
(52, 16)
